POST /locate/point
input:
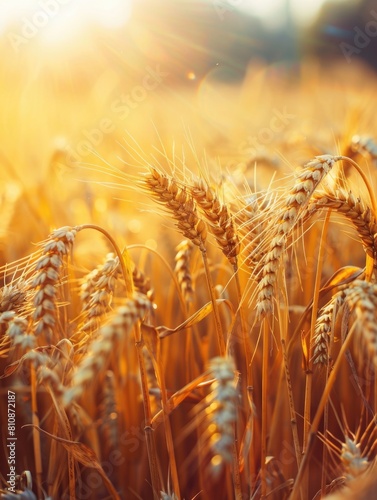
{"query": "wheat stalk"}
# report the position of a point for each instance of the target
(297, 200)
(102, 346)
(109, 412)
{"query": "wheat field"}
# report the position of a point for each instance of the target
(188, 307)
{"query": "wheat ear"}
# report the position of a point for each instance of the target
(18, 331)
(219, 219)
(362, 299)
(182, 269)
(179, 203)
(182, 206)
(252, 220)
(296, 203)
(353, 462)
(142, 284)
(220, 414)
(13, 296)
(355, 210)
(47, 276)
(97, 290)
(324, 328)
(364, 145)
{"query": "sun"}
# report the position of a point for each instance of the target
(59, 22)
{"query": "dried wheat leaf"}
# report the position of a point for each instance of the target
(83, 454)
(177, 398)
(10, 369)
(151, 340)
(164, 331)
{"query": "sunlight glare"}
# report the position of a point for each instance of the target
(60, 19)
(108, 13)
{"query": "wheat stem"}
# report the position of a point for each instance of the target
(149, 434)
(296, 441)
(325, 433)
(150, 440)
(264, 410)
(62, 417)
(116, 249)
(309, 372)
(241, 313)
(168, 433)
(216, 314)
(318, 415)
(36, 436)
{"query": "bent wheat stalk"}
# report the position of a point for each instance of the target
(356, 211)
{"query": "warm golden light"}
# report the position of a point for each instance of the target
(56, 21)
(188, 251)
